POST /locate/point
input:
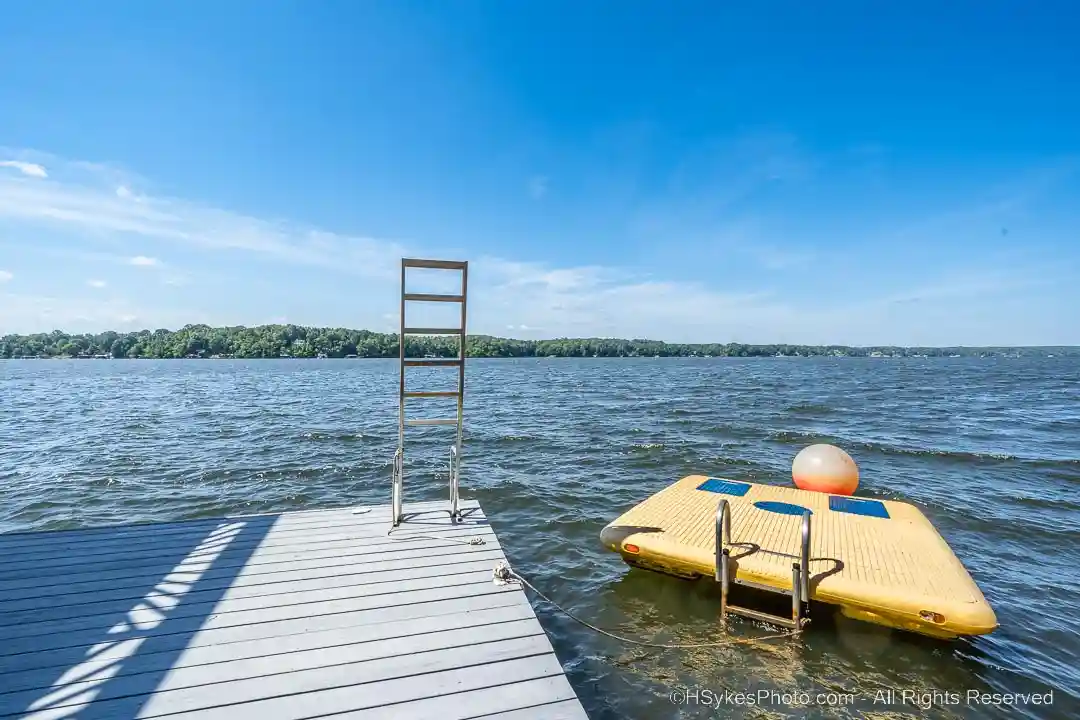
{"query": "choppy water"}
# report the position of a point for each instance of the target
(989, 449)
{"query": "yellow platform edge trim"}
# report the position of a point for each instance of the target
(897, 571)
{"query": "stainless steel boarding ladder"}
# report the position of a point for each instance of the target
(403, 394)
(800, 575)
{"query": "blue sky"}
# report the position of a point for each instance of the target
(754, 172)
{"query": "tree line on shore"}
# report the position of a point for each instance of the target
(275, 341)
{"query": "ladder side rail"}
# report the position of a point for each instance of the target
(398, 491)
(403, 331)
(455, 468)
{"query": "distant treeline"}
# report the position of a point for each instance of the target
(274, 341)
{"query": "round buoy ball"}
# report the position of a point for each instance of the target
(825, 468)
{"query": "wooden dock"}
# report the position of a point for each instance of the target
(273, 617)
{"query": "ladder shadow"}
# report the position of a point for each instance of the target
(108, 662)
(441, 519)
(815, 577)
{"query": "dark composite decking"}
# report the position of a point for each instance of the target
(272, 617)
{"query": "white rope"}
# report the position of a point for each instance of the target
(475, 540)
(503, 573)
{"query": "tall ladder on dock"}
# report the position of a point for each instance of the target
(404, 394)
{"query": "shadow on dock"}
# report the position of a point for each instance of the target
(104, 614)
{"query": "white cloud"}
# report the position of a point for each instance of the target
(26, 168)
(29, 313)
(5, 276)
(91, 202)
(96, 283)
(534, 298)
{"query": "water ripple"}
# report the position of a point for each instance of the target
(989, 449)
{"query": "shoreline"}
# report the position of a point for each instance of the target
(294, 341)
(986, 356)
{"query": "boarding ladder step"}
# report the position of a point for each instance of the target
(398, 481)
(726, 575)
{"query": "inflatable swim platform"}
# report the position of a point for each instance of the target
(880, 561)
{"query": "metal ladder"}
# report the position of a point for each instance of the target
(403, 394)
(800, 576)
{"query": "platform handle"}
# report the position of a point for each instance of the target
(723, 537)
(804, 561)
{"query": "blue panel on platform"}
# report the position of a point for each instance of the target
(858, 506)
(781, 507)
(724, 487)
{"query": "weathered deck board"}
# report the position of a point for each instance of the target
(287, 520)
(151, 537)
(150, 549)
(47, 583)
(274, 617)
(106, 589)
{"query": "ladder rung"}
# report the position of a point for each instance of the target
(430, 297)
(437, 421)
(762, 616)
(431, 393)
(434, 264)
(432, 363)
(761, 586)
(432, 331)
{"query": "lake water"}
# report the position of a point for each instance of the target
(556, 448)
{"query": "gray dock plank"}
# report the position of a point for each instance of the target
(99, 591)
(558, 710)
(48, 657)
(272, 661)
(501, 701)
(326, 516)
(368, 523)
(147, 612)
(272, 617)
(426, 682)
(349, 576)
(377, 604)
(258, 560)
(207, 543)
(276, 641)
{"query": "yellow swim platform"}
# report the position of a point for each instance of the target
(880, 561)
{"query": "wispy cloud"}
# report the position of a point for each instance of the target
(974, 285)
(747, 238)
(94, 198)
(707, 208)
(6, 276)
(24, 313)
(777, 258)
(102, 219)
(26, 168)
(97, 283)
(538, 186)
(610, 301)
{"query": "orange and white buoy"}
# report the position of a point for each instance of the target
(825, 468)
